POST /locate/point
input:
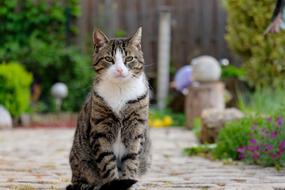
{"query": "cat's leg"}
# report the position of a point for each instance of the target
(133, 141)
(105, 158)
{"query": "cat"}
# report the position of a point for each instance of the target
(111, 146)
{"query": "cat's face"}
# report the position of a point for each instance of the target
(118, 60)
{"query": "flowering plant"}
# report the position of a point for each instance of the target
(266, 144)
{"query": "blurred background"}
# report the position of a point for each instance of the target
(44, 42)
(216, 70)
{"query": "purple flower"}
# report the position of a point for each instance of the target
(241, 156)
(273, 134)
(252, 148)
(279, 121)
(255, 155)
(282, 145)
(265, 132)
(254, 127)
(269, 119)
(252, 141)
(241, 149)
(268, 147)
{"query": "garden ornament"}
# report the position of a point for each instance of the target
(205, 69)
(183, 79)
(59, 91)
(5, 119)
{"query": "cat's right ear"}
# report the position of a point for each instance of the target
(99, 39)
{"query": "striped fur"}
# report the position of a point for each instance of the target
(111, 143)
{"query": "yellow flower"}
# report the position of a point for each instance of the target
(157, 123)
(167, 121)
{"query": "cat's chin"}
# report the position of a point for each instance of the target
(120, 79)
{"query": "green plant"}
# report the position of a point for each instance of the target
(201, 150)
(231, 71)
(39, 34)
(60, 63)
(197, 127)
(15, 84)
(263, 101)
(234, 135)
(263, 56)
(266, 145)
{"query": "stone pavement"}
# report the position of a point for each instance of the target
(38, 159)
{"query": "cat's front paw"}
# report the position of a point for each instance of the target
(121, 184)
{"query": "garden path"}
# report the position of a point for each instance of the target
(38, 159)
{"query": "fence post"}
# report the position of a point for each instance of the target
(164, 40)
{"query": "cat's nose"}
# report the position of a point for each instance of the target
(119, 71)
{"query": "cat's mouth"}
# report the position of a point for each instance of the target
(121, 76)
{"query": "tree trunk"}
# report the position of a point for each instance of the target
(203, 96)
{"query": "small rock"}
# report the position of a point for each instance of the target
(5, 119)
(214, 119)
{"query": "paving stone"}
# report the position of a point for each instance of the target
(38, 159)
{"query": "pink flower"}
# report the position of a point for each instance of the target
(273, 134)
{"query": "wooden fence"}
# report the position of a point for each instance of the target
(198, 26)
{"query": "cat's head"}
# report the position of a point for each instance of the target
(117, 60)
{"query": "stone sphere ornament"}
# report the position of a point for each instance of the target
(205, 69)
(59, 91)
(5, 119)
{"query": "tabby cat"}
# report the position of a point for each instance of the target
(111, 146)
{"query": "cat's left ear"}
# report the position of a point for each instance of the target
(136, 38)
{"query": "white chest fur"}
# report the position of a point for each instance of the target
(116, 95)
(119, 148)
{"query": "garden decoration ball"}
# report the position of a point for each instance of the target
(205, 69)
(59, 91)
(5, 119)
(183, 78)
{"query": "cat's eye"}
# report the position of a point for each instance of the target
(129, 58)
(108, 58)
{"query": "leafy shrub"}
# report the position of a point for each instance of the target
(60, 63)
(263, 56)
(15, 84)
(266, 145)
(231, 71)
(45, 19)
(234, 135)
(38, 33)
(263, 101)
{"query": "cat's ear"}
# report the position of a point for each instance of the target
(99, 39)
(136, 38)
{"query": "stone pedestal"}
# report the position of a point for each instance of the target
(202, 96)
(213, 120)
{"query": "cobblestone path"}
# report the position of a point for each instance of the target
(38, 159)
